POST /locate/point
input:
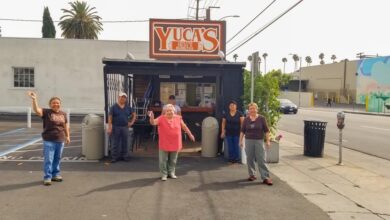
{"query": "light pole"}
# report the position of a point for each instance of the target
(299, 86)
(229, 16)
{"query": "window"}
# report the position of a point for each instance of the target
(189, 94)
(23, 77)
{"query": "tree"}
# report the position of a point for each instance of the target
(333, 57)
(235, 56)
(283, 79)
(265, 55)
(296, 59)
(80, 22)
(266, 92)
(321, 56)
(284, 60)
(48, 29)
(308, 60)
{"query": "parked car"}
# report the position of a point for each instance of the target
(287, 106)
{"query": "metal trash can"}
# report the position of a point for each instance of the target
(314, 138)
(209, 137)
(92, 137)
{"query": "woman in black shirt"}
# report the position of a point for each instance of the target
(231, 125)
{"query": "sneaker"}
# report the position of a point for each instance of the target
(164, 178)
(47, 182)
(252, 178)
(172, 175)
(268, 181)
(57, 179)
(113, 161)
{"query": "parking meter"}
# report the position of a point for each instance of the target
(340, 125)
(340, 120)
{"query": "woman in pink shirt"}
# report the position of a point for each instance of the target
(169, 142)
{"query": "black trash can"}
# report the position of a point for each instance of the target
(314, 138)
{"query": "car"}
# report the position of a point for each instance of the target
(287, 106)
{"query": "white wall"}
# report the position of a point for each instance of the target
(69, 68)
(306, 98)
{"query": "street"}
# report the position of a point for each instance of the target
(364, 133)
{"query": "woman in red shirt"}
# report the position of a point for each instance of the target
(169, 142)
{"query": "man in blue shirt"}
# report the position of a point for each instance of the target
(121, 117)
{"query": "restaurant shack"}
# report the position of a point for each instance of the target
(187, 60)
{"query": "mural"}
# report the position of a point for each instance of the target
(373, 84)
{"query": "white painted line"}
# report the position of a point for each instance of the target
(62, 161)
(40, 149)
(13, 131)
(383, 129)
(20, 146)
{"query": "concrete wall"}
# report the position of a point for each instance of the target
(306, 98)
(328, 79)
(69, 68)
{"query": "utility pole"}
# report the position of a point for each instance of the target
(197, 9)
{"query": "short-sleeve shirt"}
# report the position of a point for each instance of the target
(120, 116)
(54, 125)
(232, 127)
(254, 129)
(169, 132)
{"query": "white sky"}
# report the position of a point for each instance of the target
(340, 27)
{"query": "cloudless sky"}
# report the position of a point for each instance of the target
(340, 27)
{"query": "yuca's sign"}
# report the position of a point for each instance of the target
(184, 39)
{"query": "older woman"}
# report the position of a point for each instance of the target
(255, 130)
(230, 129)
(170, 139)
(55, 133)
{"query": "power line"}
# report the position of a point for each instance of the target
(251, 21)
(32, 20)
(262, 29)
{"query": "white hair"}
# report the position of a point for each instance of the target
(169, 106)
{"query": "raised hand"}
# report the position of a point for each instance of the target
(32, 95)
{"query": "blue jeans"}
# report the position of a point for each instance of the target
(52, 152)
(233, 147)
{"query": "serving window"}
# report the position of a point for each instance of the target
(189, 94)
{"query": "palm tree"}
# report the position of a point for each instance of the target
(308, 60)
(333, 57)
(321, 56)
(296, 59)
(284, 60)
(235, 56)
(265, 55)
(80, 22)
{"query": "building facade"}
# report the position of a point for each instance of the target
(68, 68)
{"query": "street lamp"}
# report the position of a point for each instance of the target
(300, 72)
(229, 16)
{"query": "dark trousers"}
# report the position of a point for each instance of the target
(119, 145)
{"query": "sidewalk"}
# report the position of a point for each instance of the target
(358, 190)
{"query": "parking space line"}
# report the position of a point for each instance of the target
(13, 131)
(62, 161)
(20, 146)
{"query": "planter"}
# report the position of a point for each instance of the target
(272, 153)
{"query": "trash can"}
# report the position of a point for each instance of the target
(209, 137)
(92, 137)
(314, 138)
